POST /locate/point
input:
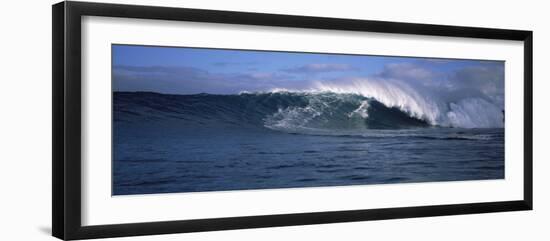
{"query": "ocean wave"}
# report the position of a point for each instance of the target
(324, 110)
(437, 106)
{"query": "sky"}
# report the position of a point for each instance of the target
(180, 70)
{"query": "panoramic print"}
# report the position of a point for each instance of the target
(203, 119)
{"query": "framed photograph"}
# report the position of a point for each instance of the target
(171, 120)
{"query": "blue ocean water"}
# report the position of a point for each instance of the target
(203, 142)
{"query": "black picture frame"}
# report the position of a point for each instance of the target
(66, 158)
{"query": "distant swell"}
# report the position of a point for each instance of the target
(330, 109)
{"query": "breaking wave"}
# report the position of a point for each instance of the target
(465, 108)
(348, 108)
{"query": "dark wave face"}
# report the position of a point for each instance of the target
(281, 111)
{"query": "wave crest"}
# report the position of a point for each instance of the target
(439, 107)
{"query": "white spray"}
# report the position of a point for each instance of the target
(433, 105)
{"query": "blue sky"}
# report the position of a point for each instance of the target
(195, 70)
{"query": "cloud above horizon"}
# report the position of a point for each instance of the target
(185, 79)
